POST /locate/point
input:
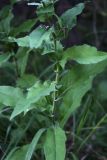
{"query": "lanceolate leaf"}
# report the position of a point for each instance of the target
(33, 144)
(9, 96)
(76, 83)
(83, 54)
(54, 147)
(34, 94)
(69, 17)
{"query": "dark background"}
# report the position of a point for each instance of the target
(92, 24)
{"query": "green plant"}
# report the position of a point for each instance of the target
(45, 101)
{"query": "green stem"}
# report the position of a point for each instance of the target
(56, 82)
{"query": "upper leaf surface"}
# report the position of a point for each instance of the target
(54, 147)
(26, 81)
(69, 17)
(40, 90)
(83, 54)
(76, 83)
(35, 38)
(34, 94)
(9, 96)
(24, 27)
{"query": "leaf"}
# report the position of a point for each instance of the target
(4, 58)
(75, 84)
(10, 95)
(34, 94)
(33, 144)
(40, 90)
(21, 106)
(4, 12)
(83, 54)
(5, 24)
(54, 147)
(50, 48)
(24, 27)
(17, 154)
(35, 39)
(44, 12)
(69, 17)
(26, 81)
(22, 57)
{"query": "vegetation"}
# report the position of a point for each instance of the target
(50, 106)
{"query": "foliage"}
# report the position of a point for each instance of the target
(41, 104)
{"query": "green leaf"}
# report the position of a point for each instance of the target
(46, 11)
(26, 81)
(33, 144)
(40, 90)
(83, 54)
(34, 94)
(54, 147)
(70, 16)
(75, 84)
(35, 39)
(24, 27)
(4, 12)
(50, 48)
(22, 57)
(5, 24)
(17, 154)
(9, 96)
(4, 58)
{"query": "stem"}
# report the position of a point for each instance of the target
(56, 82)
(55, 92)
